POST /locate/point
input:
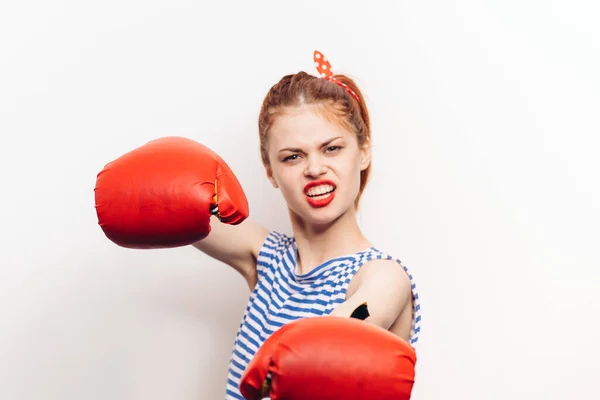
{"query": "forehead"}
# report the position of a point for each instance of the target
(304, 126)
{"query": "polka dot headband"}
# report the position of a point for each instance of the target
(324, 68)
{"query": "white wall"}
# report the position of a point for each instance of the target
(485, 118)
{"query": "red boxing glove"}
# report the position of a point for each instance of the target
(324, 358)
(163, 193)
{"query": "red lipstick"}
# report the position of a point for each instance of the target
(319, 202)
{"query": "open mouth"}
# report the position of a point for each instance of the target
(320, 192)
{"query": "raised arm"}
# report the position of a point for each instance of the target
(173, 192)
(236, 246)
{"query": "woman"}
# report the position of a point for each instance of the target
(315, 145)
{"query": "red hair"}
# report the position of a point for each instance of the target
(337, 105)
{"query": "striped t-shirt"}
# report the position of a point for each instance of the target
(281, 295)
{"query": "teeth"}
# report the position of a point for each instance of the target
(320, 197)
(319, 190)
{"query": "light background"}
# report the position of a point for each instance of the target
(485, 183)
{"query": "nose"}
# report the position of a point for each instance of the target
(315, 167)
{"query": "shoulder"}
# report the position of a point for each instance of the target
(272, 252)
(385, 273)
(388, 287)
(383, 285)
(276, 241)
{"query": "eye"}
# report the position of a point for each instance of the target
(290, 158)
(332, 149)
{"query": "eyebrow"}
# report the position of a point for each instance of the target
(294, 149)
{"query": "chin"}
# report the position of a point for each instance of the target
(322, 215)
(321, 219)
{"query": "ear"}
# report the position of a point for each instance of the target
(365, 155)
(271, 177)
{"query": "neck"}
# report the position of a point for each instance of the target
(317, 244)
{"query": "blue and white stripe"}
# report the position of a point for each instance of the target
(282, 296)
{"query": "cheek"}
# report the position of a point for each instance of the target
(351, 166)
(285, 180)
(352, 177)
